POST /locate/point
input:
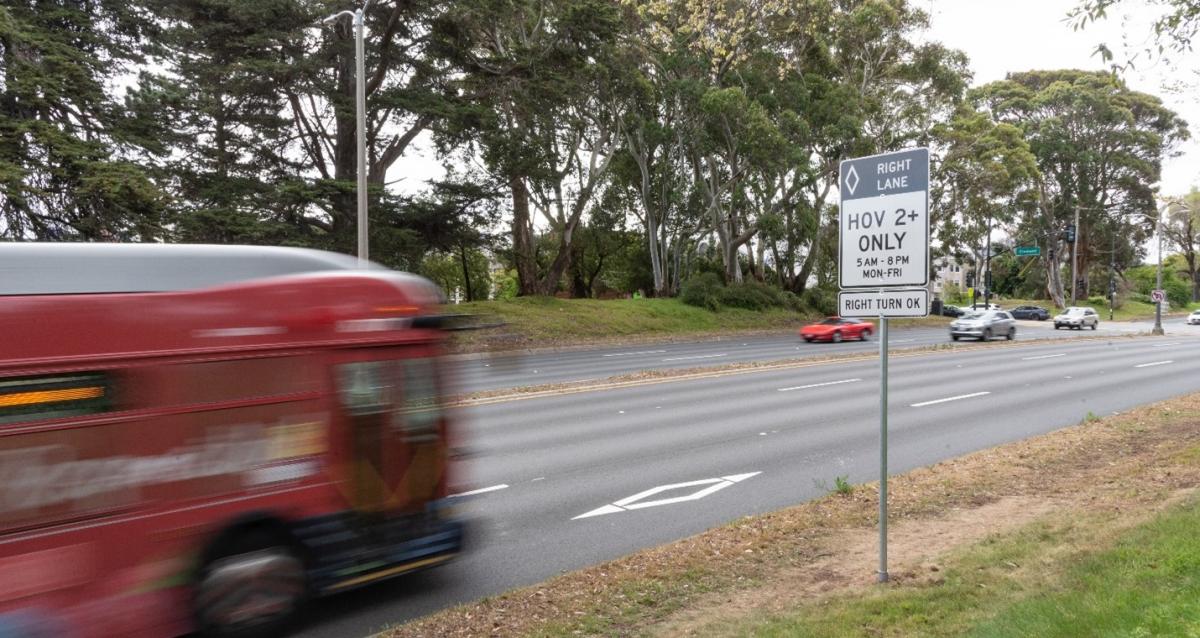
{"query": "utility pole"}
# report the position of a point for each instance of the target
(360, 125)
(1112, 273)
(1158, 329)
(1074, 258)
(987, 265)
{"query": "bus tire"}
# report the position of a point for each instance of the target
(251, 585)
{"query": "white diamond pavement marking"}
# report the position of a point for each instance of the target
(708, 486)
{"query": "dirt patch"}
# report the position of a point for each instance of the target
(846, 563)
(1121, 466)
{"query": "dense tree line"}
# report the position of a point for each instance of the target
(590, 147)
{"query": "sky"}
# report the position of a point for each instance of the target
(1001, 36)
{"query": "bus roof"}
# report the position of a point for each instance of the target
(93, 268)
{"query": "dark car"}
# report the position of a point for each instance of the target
(952, 311)
(1037, 313)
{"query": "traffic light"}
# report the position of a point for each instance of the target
(1070, 234)
(970, 280)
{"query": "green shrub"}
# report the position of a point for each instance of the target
(791, 301)
(702, 291)
(822, 301)
(1179, 293)
(842, 485)
(751, 295)
(507, 285)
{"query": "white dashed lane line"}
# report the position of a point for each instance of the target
(703, 356)
(949, 399)
(818, 385)
(482, 490)
(1044, 356)
(1152, 364)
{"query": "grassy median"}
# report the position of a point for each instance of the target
(547, 322)
(1084, 531)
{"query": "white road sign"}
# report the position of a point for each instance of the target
(1158, 296)
(895, 302)
(884, 238)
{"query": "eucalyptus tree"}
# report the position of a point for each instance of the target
(1099, 147)
(985, 174)
(534, 78)
(1182, 229)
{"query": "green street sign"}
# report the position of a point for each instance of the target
(1028, 251)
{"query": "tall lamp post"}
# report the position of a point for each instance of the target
(1158, 329)
(360, 108)
(1075, 258)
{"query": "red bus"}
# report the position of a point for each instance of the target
(198, 438)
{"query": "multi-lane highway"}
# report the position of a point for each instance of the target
(508, 370)
(566, 481)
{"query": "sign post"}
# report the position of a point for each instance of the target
(883, 263)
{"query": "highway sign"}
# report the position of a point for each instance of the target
(894, 302)
(884, 239)
(1158, 296)
(1028, 251)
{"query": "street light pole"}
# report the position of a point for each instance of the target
(987, 267)
(1074, 258)
(1158, 329)
(360, 125)
(1112, 274)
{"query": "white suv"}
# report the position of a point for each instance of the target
(1077, 318)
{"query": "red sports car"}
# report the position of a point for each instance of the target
(836, 329)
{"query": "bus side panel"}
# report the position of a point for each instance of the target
(101, 527)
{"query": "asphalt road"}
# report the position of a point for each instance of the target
(775, 436)
(513, 370)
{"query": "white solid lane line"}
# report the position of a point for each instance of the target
(482, 490)
(947, 399)
(1164, 345)
(1044, 356)
(1152, 364)
(630, 354)
(703, 356)
(818, 385)
(901, 340)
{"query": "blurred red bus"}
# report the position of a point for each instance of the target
(199, 438)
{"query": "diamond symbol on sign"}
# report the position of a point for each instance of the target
(852, 179)
(707, 486)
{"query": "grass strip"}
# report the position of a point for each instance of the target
(1063, 576)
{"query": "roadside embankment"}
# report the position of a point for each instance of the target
(976, 541)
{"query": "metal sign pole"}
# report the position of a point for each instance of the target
(883, 446)
(883, 263)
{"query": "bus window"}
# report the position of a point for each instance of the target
(53, 397)
(366, 387)
(422, 410)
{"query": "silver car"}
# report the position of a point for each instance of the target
(1194, 318)
(1077, 318)
(984, 325)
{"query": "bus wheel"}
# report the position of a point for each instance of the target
(252, 586)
